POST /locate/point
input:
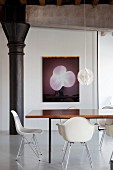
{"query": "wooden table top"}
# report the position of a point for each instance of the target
(68, 113)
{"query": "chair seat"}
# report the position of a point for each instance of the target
(30, 131)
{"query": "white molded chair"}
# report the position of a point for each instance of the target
(24, 132)
(62, 121)
(102, 125)
(76, 129)
(59, 128)
(109, 132)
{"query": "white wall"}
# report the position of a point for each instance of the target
(4, 82)
(48, 42)
(105, 69)
(56, 42)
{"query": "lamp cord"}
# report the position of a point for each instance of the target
(84, 34)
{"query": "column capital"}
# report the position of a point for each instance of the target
(15, 32)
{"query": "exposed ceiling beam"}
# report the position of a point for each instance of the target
(77, 2)
(95, 2)
(42, 2)
(24, 2)
(111, 2)
(1, 16)
(2, 2)
(59, 2)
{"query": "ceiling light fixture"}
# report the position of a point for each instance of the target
(85, 76)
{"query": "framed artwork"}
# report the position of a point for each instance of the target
(59, 78)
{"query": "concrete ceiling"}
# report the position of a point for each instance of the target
(99, 18)
(70, 14)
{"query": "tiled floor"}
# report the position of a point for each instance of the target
(78, 159)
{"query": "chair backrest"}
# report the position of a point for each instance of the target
(63, 120)
(107, 121)
(77, 129)
(109, 130)
(18, 124)
(59, 129)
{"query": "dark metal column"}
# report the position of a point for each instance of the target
(16, 34)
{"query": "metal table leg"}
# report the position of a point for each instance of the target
(49, 140)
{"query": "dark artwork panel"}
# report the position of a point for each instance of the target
(59, 76)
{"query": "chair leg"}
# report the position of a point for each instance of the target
(102, 138)
(36, 145)
(68, 157)
(64, 146)
(29, 143)
(20, 150)
(89, 156)
(68, 154)
(65, 152)
(111, 156)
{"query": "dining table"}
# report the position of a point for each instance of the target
(66, 114)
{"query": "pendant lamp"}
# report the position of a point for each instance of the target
(85, 76)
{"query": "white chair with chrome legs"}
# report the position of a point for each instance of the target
(59, 127)
(76, 129)
(109, 132)
(102, 125)
(63, 120)
(25, 132)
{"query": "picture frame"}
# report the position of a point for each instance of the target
(59, 78)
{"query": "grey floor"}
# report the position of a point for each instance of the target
(78, 159)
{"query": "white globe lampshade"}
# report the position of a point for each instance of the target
(85, 76)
